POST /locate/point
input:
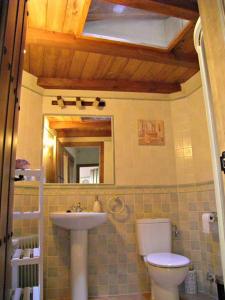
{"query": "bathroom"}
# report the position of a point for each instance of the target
(171, 178)
(173, 181)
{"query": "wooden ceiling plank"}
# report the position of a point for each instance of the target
(118, 64)
(186, 75)
(36, 60)
(109, 85)
(77, 65)
(91, 65)
(75, 16)
(37, 13)
(63, 40)
(104, 66)
(80, 125)
(93, 132)
(153, 72)
(51, 57)
(141, 71)
(71, 16)
(130, 69)
(177, 75)
(165, 72)
(64, 63)
(56, 10)
(172, 74)
(175, 8)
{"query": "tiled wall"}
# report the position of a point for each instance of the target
(201, 248)
(193, 165)
(114, 264)
(25, 200)
(191, 140)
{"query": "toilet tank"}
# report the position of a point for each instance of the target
(153, 235)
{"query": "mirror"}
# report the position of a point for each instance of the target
(78, 149)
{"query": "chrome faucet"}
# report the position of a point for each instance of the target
(77, 208)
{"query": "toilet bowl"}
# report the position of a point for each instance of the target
(167, 271)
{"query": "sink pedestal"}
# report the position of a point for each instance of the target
(78, 223)
(79, 285)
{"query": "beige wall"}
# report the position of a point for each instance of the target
(186, 154)
(191, 140)
(30, 123)
(134, 164)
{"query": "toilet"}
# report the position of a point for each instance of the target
(167, 270)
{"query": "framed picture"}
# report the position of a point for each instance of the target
(151, 132)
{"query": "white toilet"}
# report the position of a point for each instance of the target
(167, 270)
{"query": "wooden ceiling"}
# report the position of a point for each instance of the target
(61, 58)
(69, 126)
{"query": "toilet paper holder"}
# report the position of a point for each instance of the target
(213, 217)
(207, 219)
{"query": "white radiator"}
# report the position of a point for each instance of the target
(25, 276)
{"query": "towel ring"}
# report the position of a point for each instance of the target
(114, 201)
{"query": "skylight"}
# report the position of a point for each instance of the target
(125, 24)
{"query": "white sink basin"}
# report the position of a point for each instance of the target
(78, 220)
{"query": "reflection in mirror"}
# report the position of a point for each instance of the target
(78, 149)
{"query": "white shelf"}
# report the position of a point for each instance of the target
(36, 293)
(24, 257)
(26, 293)
(17, 294)
(30, 175)
(34, 256)
(28, 215)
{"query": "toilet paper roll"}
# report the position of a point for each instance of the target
(207, 218)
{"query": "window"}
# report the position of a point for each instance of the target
(125, 24)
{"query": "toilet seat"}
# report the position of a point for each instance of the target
(167, 260)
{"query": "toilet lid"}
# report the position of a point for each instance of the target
(167, 260)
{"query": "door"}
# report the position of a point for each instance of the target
(12, 33)
(210, 45)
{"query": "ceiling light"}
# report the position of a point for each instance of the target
(96, 102)
(60, 102)
(119, 9)
(79, 103)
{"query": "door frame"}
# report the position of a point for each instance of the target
(12, 36)
(213, 138)
(91, 144)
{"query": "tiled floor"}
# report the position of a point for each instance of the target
(148, 297)
(197, 297)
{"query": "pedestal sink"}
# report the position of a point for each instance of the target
(78, 223)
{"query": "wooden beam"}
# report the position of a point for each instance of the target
(80, 124)
(175, 8)
(109, 85)
(82, 144)
(84, 132)
(88, 44)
